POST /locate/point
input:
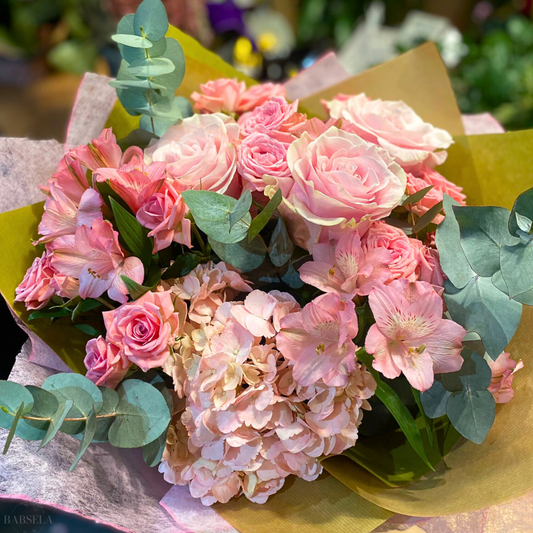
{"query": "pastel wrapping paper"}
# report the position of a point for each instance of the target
(327, 505)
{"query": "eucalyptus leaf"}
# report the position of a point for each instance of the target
(434, 400)
(11, 396)
(125, 26)
(517, 268)
(427, 218)
(153, 451)
(151, 20)
(56, 422)
(140, 137)
(13, 428)
(88, 434)
(525, 298)
(173, 80)
(481, 307)
(240, 208)
(261, 220)
(154, 125)
(140, 85)
(45, 405)
(134, 41)
(522, 213)
(243, 255)
(109, 406)
(281, 246)
(417, 196)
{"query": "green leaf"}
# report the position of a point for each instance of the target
(173, 80)
(181, 266)
(135, 236)
(434, 399)
(142, 415)
(417, 196)
(11, 396)
(281, 247)
(184, 106)
(57, 421)
(140, 85)
(109, 406)
(88, 434)
(398, 410)
(483, 232)
(425, 417)
(151, 20)
(153, 451)
(525, 298)
(135, 289)
(241, 208)
(45, 406)
(83, 393)
(472, 413)
(148, 67)
(244, 255)
(134, 41)
(261, 220)
(516, 267)
(139, 137)
(211, 213)
(448, 240)
(159, 124)
(88, 330)
(427, 218)
(14, 424)
(481, 307)
(522, 209)
(50, 313)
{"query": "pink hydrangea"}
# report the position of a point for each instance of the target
(344, 268)
(258, 94)
(219, 95)
(39, 284)
(207, 287)
(410, 336)
(164, 214)
(146, 329)
(503, 370)
(441, 186)
(394, 126)
(94, 257)
(106, 364)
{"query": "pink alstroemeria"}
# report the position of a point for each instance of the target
(100, 152)
(70, 178)
(344, 268)
(93, 255)
(410, 335)
(318, 340)
(134, 180)
(503, 369)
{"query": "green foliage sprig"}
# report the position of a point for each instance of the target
(152, 68)
(136, 415)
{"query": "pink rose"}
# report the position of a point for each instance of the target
(100, 152)
(38, 285)
(260, 154)
(441, 186)
(258, 94)
(219, 95)
(405, 251)
(338, 180)
(275, 115)
(503, 370)
(200, 152)
(164, 214)
(106, 364)
(146, 328)
(428, 268)
(393, 125)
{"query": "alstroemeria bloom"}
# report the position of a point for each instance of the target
(100, 152)
(318, 340)
(394, 126)
(410, 336)
(503, 370)
(134, 180)
(164, 214)
(94, 256)
(70, 178)
(343, 267)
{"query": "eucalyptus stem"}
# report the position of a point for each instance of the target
(150, 78)
(48, 419)
(199, 238)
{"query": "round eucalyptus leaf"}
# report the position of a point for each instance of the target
(136, 85)
(142, 415)
(243, 255)
(109, 407)
(45, 405)
(148, 68)
(12, 395)
(135, 41)
(151, 20)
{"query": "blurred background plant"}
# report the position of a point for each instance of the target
(47, 45)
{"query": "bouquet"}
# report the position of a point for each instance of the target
(259, 288)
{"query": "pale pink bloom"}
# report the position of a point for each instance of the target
(219, 95)
(100, 152)
(67, 286)
(410, 336)
(285, 304)
(345, 268)
(95, 258)
(200, 152)
(275, 115)
(63, 216)
(314, 127)
(405, 251)
(164, 214)
(70, 178)
(318, 340)
(134, 181)
(38, 285)
(393, 125)
(441, 186)
(105, 362)
(146, 328)
(503, 370)
(256, 313)
(258, 491)
(429, 268)
(258, 94)
(207, 287)
(259, 154)
(338, 180)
